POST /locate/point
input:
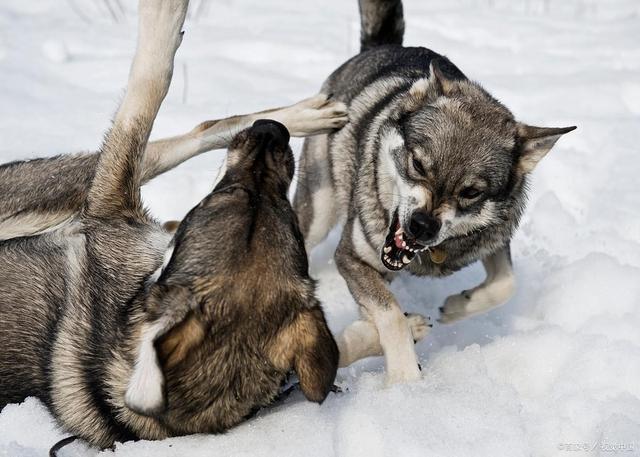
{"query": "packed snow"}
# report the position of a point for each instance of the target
(555, 372)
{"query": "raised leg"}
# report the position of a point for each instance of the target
(308, 117)
(37, 195)
(497, 288)
(370, 291)
(115, 189)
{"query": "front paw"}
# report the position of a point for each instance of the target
(418, 325)
(455, 308)
(408, 373)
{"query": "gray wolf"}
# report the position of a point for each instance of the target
(429, 175)
(126, 332)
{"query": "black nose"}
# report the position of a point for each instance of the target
(423, 226)
(272, 128)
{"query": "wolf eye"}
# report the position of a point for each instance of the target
(470, 193)
(417, 166)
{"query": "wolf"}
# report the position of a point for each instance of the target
(126, 332)
(429, 176)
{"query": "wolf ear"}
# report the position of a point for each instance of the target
(164, 342)
(446, 85)
(317, 356)
(429, 88)
(535, 143)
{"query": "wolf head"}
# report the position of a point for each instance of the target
(234, 299)
(455, 161)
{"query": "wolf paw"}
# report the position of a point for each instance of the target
(161, 24)
(402, 363)
(418, 325)
(456, 307)
(314, 116)
(407, 373)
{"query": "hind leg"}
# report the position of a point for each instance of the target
(115, 190)
(314, 201)
(361, 339)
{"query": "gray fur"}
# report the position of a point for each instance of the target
(405, 105)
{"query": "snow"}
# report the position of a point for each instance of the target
(553, 373)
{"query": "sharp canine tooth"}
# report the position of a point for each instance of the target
(399, 231)
(404, 245)
(406, 259)
(387, 249)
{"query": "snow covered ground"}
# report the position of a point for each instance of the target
(556, 372)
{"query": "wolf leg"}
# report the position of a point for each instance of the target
(308, 117)
(115, 189)
(497, 288)
(361, 339)
(38, 195)
(370, 291)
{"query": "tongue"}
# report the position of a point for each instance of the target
(398, 241)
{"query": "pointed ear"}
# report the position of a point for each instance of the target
(446, 85)
(307, 345)
(429, 88)
(535, 143)
(316, 360)
(164, 342)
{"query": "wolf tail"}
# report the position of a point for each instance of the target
(382, 22)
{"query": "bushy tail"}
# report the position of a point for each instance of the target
(382, 22)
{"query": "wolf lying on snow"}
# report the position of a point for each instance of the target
(125, 332)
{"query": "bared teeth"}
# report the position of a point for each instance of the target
(394, 263)
(387, 249)
(406, 260)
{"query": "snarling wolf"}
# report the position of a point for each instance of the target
(126, 332)
(429, 176)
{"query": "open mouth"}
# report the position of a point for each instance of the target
(399, 249)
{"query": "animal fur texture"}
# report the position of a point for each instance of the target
(126, 332)
(429, 175)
